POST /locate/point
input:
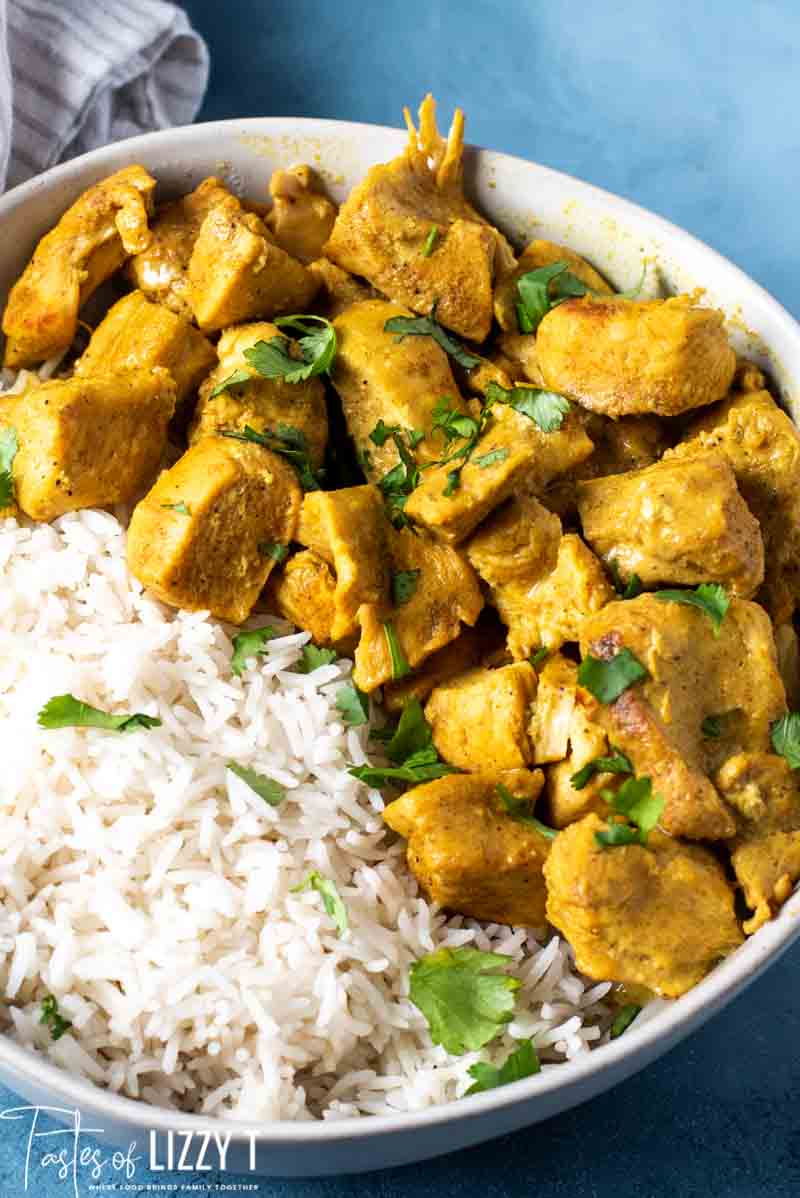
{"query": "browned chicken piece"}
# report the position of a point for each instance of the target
(659, 915)
(765, 853)
(259, 402)
(549, 611)
(302, 216)
(679, 521)
(480, 718)
(447, 591)
(788, 650)
(527, 461)
(692, 675)
(138, 335)
(93, 238)
(384, 224)
(161, 269)
(337, 289)
(763, 447)
(467, 853)
(630, 443)
(536, 255)
(517, 543)
(237, 272)
(519, 350)
(566, 803)
(399, 382)
(622, 357)
(90, 442)
(348, 529)
(303, 593)
(459, 655)
(201, 539)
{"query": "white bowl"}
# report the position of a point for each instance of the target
(525, 200)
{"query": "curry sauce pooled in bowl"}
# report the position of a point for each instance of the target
(400, 639)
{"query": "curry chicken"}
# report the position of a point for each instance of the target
(556, 527)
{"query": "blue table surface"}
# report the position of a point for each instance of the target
(691, 109)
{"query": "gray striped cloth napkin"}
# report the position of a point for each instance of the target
(76, 74)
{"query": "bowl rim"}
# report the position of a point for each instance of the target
(726, 981)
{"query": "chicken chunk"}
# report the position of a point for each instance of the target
(518, 353)
(212, 552)
(521, 459)
(138, 335)
(552, 713)
(567, 803)
(441, 666)
(399, 382)
(161, 269)
(622, 357)
(467, 853)
(658, 916)
(303, 593)
(262, 403)
(237, 272)
(536, 255)
(348, 529)
(518, 543)
(383, 226)
(90, 442)
(692, 675)
(763, 447)
(92, 239)
(301, 218)
(446, 592)
(679, 521)
(480, 718)
(337, 289)
(765, 853)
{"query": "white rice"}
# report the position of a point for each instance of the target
(152, 892)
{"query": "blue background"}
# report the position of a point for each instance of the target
(691, 108)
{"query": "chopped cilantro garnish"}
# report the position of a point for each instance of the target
(353, 704)
(546, 409)
(273, 359)
(53, 1019)
(430, 242)
(409, 747)
(710, 597)
(274, 550)
(398, 483)
(522, 1062)
(428, 326)
(329, 894)
(65, 711)
(539, 657)
(491, 459)
(233, 380)
(520, 810)
(711, 727)
(404, 585)
(616, 763)
(8, 451)
(626, 590)
(785, 734)
(459, 426)
(249, 644)
(400, 666)
(624, 1019)
(606, 680)
(635, 800)
(313, 657)
(287, 441)
(541, 289)
(464, 998)
(264, 787)
(180, 507)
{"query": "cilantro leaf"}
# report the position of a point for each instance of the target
(458, 426)
(410, 747)
(287, 441)
(606, 680)
(533, 289)
(8, 451)
(626, 590)
(264, 787)
(464, 998)
(711, 727)
(273, 359)
(400, 666)
(624, 1019)
(546, 409)
(53, 1019)
(428, 326)
(404, 584)
(412, 735)
(274, 550)
(451, 422)
(430, 242)
(616, 834)
(710, 597)
(65, 711)
(249, 644)
(520, 810)
(353, 704)
(233, 380)
(491, 458)
(522, 1062)
(637, 802)
(179, 507)
(785, 735)
(540, 656)
(413, 773)
(331, 900)
(313, 657)
(616, 763)
(398, 483)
